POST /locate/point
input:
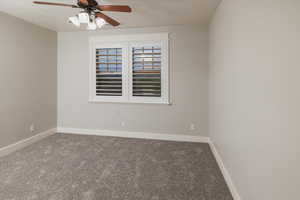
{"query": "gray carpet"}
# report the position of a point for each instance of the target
(73, 167)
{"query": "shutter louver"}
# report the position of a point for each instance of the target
(109, 72)
(147, 71)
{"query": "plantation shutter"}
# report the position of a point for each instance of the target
(146, 71)
(109, 72)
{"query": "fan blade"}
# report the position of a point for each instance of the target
(114, 8)
(107, 19)
(55, 4)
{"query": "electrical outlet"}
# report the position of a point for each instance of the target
(32, 128)
(192, 127)
(123, 124)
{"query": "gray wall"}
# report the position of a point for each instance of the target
(189, 86)
(27, 79)
(255, 95)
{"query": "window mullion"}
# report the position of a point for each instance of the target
(130, 67)
(124, 73)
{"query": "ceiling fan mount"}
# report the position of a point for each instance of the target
(93, 9)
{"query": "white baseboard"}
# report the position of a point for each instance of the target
(225, 172)
(23, 143)
(139, 135)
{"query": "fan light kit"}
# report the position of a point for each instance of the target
(91, 20)
(91, 14)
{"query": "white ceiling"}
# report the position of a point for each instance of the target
(145, 12)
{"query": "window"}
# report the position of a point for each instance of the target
(109, 72)
(146, 71)
(129, 69)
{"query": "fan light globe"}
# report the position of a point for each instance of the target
(92, 26)
(75, 21)
(100, 22)
(83, 17)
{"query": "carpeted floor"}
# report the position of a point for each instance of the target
(73, 167)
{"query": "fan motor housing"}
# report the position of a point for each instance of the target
(90, 6)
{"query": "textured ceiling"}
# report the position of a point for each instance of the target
(145, 12)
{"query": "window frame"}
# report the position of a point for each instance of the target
(127, 42)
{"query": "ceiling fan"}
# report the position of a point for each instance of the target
(91, 14)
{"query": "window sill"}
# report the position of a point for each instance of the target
(96, 101)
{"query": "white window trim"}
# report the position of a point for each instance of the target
(126, 42)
